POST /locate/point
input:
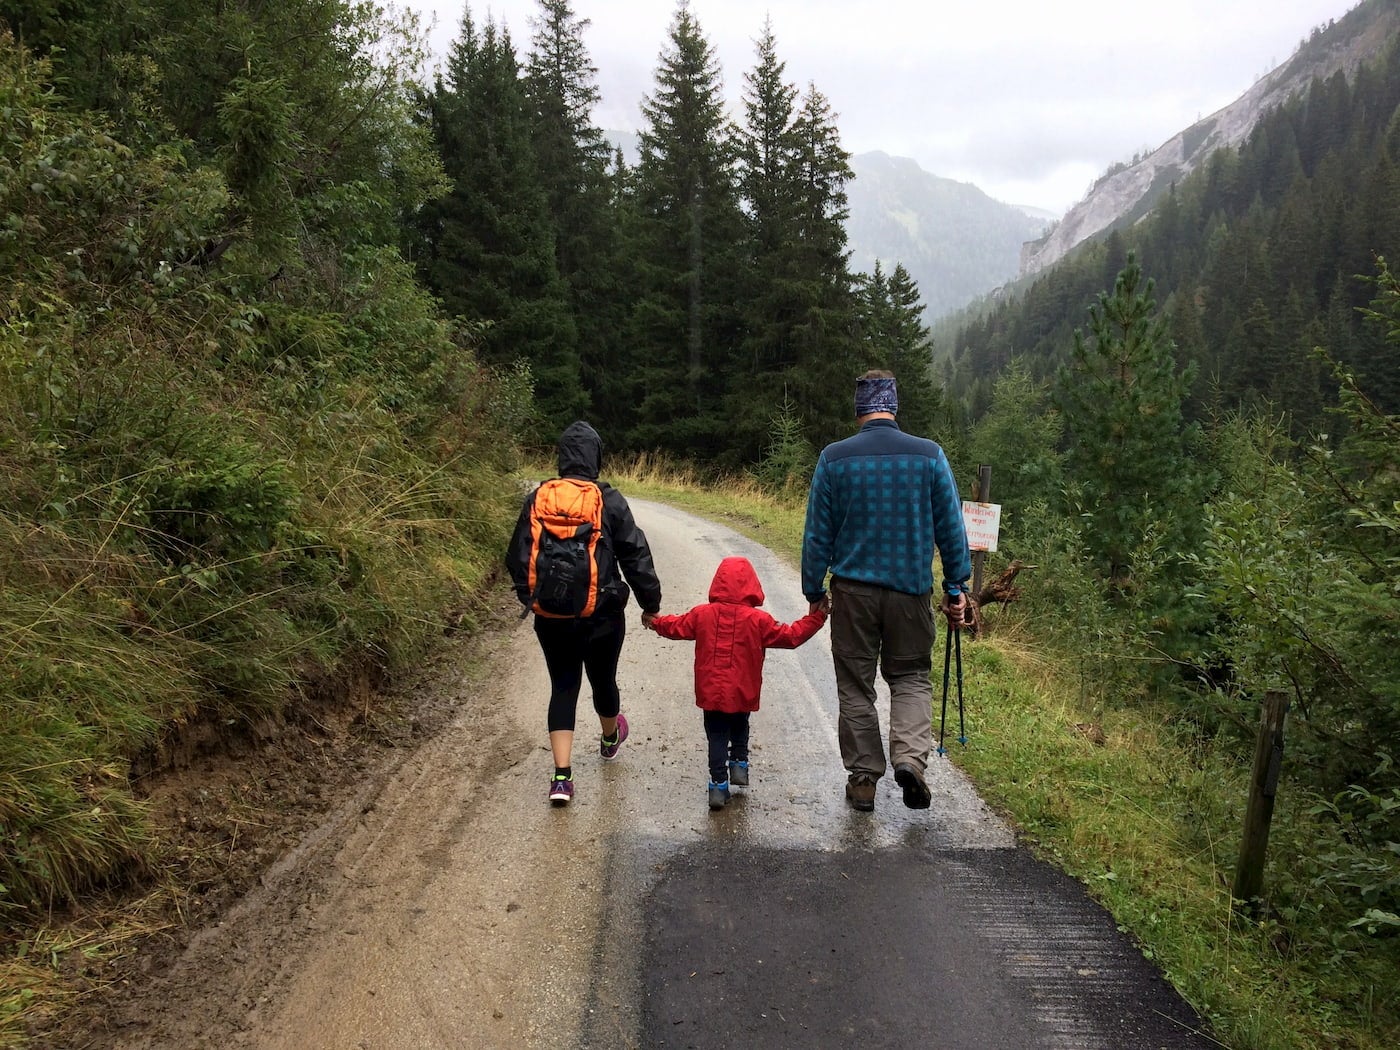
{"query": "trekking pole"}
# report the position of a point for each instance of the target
(947, 655)
(962, 726)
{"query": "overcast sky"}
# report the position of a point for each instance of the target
(1029, 100)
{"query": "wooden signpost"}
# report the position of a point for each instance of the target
(982, 520)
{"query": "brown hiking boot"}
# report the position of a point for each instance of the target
(860, 792)
(916, 792)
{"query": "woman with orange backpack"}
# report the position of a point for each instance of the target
(575, 550)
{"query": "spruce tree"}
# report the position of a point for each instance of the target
(572, 157)
(765, 359)
(1121, 397)
(828, 355)
(910, 359)
(688, 225)
(799, 344)
(1019, 437)
(893, 336)
(489, 243)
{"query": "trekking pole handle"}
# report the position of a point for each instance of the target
(956, 608)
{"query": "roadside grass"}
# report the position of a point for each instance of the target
(1149, 821)
(98, 677)
(738, 501)
(35, 982)
(1145, 815)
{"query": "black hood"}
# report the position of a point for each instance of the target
(580, 452)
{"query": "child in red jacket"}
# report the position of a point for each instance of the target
(731, 635)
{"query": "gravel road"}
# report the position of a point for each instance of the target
(446, 904)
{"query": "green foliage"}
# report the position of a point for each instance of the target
(795, 300)
(1289, 585)
(894, 338)
(788, 461)
(215, 489)
(487, 247)
(1299, 570)
(1121, 400)
(572, 157)
(688, 230)
(1019, 438)
(1352, 875)
(1300, 567)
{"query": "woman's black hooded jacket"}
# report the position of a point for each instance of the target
(581, 456)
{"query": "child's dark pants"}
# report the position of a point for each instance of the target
(728, 735)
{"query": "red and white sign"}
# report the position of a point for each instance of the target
(983, 522)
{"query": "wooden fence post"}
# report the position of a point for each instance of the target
(1263, 786)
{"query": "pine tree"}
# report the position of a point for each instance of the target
(489, 244)
(893, 336)
(305, 106)
(761, 367)
(766, 148)
(919, 398)
(572, 159)
(828, 356)
(1019, 438)
(1121, 396)
(689, 226)
(799, 309)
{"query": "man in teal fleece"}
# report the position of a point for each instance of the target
(881, 501)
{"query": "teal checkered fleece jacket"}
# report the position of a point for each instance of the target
(881, 501)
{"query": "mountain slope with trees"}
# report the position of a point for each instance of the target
(1127, 191)
(956, 242)
(1256, 258)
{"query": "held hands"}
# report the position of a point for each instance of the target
(821, 605)
(647, 618)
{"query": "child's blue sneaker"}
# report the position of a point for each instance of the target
(719, 794)
(739, 774)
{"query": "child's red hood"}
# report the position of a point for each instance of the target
(736, 583)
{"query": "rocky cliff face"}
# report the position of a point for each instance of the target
(1126, 194)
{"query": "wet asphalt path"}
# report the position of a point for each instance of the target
(794, 921)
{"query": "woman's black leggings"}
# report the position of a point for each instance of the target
(573, 647)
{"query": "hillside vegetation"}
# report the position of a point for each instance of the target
(241, 457)
(1129, 190)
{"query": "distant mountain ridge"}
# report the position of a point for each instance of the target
(956, 242)
(1128, 192)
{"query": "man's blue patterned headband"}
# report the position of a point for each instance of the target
(876, 395)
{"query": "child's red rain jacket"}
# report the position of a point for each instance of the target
(730, 635)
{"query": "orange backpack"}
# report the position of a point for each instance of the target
(566, 541)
